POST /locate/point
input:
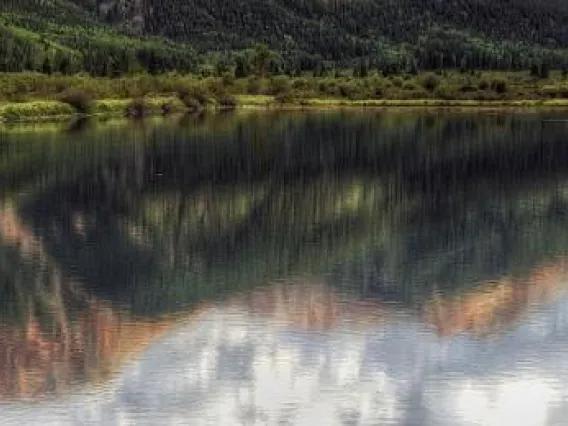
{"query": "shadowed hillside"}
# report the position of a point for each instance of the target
(118, 36)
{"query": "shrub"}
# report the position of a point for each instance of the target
(213, 86)
(485, 96)
(286, 98)
(430, 82)
(81, 101)
(563, 93)
(166, 108)
(301, 84)
(194, 98)
(279, 84)
(228, 79)
(350, 90)
(544, 71)
(253, 86)
(445, 93)
(468, 88)
(137, 108)
(377, 93)
(397, 82)
(227, 101)
(191, 103)
(554, 91)
(483, 85)
(327, 87)
(409, 85)
(499, 86)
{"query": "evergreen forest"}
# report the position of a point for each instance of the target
(122, 37)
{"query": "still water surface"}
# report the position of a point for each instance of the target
(285, 269)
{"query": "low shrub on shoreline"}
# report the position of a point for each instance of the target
(57, 95)
(81, 101)
(198, 92)
(32, 110)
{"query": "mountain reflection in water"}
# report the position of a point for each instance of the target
(313, 268)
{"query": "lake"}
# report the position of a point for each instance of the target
(286, 268)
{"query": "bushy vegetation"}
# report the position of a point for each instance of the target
(81, 101)
(35, 110)
(138, 108)
(228, 101)
(194, 98)
(430, 82)
(161, 94)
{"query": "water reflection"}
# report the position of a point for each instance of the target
(54, 335)
(323, 268)
(234, 367)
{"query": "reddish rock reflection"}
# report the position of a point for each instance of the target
(310, 304)
(496, 305)
(34, 363)
(58, 347)
(48, 354)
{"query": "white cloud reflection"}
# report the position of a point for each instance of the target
(233, 368)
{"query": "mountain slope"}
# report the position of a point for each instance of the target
(162, 34)
(323, 26)
(65, 36)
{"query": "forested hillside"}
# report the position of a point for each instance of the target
(108, 37)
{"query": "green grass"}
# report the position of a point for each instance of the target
(34, 96)
(435, 103)
(35, 110)
(255, 100)
(153, 106)
(54, 110)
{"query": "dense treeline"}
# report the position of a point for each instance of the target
(75, 52)
(342, 28)
(381, 31)
(213, 37)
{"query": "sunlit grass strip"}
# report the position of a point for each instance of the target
(36, 110)
(152, 106)
(255, 100)
(55, 110)
(261, 100)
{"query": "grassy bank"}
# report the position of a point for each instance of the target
(37, 110)
(271, 101)
(34, 111)
(28, 96)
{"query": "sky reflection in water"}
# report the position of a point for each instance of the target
(145, 282)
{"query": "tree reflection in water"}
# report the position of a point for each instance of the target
(330, 234)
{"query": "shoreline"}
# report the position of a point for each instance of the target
(51, 110)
